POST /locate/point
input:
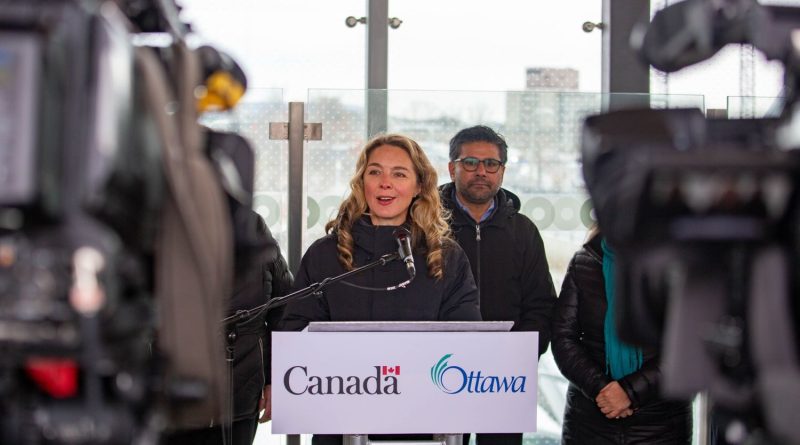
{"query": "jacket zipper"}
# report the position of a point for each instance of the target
(478, 256)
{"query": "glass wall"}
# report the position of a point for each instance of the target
(542, 130)
(251, 119)
(753, 107)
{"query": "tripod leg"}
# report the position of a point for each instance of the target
(773, 343)
(227, 424)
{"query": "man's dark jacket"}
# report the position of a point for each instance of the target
(507, 257)
(261, 273)
(579, 350)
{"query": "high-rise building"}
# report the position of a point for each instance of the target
(558, 79)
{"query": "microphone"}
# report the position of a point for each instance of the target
(404, 250)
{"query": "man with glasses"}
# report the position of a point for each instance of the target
(504, 247)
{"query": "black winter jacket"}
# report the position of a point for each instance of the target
(453, 298)
(579, 351)
(261, 273)
(507, 257)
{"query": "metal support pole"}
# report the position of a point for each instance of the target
(703, 418)
(622, 70)
(296, 131)
(296, 205)
(448, 439)
(377, 66)
(438, 439)
(355, 439)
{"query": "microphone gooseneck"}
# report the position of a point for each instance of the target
(403, 237)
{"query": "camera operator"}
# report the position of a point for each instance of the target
(613, 393)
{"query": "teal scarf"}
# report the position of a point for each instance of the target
(621, 358)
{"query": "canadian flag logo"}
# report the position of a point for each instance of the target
(387, 370)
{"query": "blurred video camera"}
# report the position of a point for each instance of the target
(116, 238)
(704, 216)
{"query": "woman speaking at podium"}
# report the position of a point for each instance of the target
(393, 191)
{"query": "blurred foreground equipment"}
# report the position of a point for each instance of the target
(704, 215)
(115, 234)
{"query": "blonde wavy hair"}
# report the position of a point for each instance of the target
(427, 218)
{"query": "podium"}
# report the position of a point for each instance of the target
(360, 378)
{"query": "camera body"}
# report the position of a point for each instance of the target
(96, 181)
(705, 217)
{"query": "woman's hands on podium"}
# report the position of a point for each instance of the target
(265, 405)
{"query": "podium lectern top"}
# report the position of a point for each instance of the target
(410, 326)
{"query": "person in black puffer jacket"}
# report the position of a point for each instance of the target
(426, 299)
(600, 408)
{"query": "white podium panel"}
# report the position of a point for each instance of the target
(404, 382)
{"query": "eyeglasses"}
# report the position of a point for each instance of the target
(470, 164)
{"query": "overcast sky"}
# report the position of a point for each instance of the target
(441, 45)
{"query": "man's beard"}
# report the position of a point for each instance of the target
(478, 196)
